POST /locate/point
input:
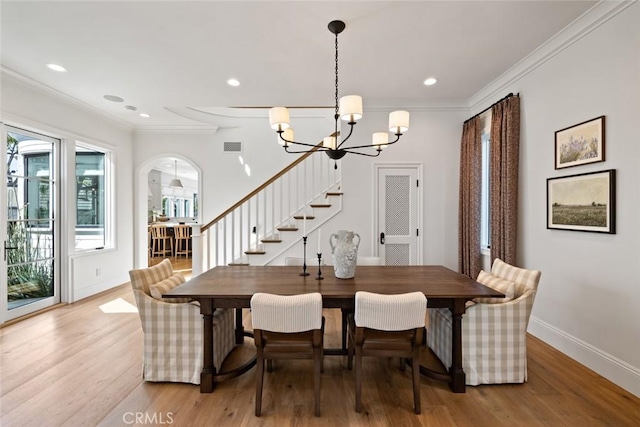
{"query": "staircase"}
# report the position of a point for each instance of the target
(270, 220)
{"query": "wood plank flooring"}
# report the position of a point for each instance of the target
(80, 365)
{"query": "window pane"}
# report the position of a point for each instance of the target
(485, 207)
(90, 198)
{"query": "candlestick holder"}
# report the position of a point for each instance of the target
(304, 258)
(319, 276)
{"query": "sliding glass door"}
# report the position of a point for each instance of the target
(29, 262)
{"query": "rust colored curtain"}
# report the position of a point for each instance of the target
(503, 184)
(469, 257)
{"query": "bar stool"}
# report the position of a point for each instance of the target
(182, 237)
(159, 238)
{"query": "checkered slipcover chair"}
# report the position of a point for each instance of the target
(494, 336)
(173, 349)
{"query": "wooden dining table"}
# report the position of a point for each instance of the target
(233, 287)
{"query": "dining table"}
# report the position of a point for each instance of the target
(232, 287)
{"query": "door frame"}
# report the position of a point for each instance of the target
(57, 161)
(418, 166)
(141, 185)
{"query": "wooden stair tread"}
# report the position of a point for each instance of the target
(238, 264)
(302, 217)
(321, 205)
(334, 193)
(271, 240)
(255, 252)
(287, 228)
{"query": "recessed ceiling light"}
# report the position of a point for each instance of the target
(233, 82)
(130, 107)
(56, 67)
(113, 98)
(145, 115)
(430, 81)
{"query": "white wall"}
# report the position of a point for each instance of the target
(587, 304)
(433, 140)
(30, 106)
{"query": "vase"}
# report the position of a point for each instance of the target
(344, 253)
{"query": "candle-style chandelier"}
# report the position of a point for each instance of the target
(347, 108)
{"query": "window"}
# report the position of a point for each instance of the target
(485, 225)
(174, 206)
(92, 207)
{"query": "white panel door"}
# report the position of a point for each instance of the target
(398, 213)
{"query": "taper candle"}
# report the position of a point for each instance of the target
(319, 239)
(304, 225)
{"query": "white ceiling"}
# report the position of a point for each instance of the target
(163, 55)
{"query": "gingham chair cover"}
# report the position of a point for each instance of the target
(286, 313)
(399, 312)
(494, 336)
(173, 331)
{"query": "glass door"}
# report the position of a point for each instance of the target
(29, 249)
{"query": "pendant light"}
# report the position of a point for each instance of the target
(175, 182)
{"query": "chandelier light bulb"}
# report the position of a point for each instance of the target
(288, 135)
(350, 108)
(329, 142)
(279, 118)
(380, 139)
(399, 122)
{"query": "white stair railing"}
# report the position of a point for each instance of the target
(256, 218)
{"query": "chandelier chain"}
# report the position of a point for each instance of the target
(336, 74)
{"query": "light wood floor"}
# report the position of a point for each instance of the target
(80, 365)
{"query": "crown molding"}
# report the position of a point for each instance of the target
(599, 14)
(10, 76)
(182, 129)
(385, 105)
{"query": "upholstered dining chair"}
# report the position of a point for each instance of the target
(172, 328)
(494, 331)
(361, 260)
(387, 326)
(287, 327)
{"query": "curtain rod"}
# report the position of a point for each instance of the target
(491, 106)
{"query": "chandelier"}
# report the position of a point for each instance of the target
(347, 108)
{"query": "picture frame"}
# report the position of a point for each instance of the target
(580, 144)
(583, 202)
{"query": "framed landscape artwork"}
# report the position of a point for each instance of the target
(584, 202)
(580, 144)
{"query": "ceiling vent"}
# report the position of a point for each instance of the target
(233, 147)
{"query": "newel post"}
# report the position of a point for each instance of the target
(197, 250)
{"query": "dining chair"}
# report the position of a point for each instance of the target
(287, 327)
(173, 328)
(387, 326)
(361, 260)
(182, 238)
(160, 238)
(494, 331)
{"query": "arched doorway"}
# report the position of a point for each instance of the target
(156, 199)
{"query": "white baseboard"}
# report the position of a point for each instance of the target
(82, 293)
(610, 367)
